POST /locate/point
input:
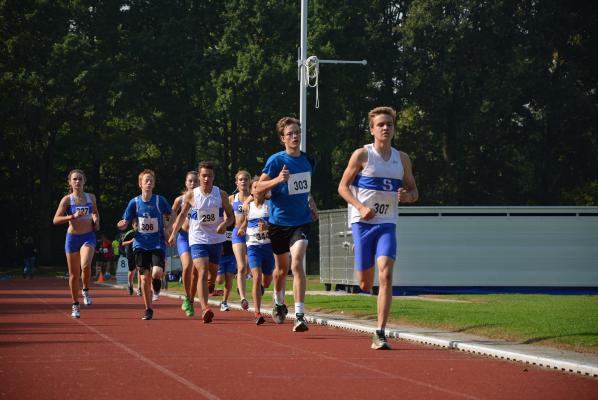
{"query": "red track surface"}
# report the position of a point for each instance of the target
(110, 353)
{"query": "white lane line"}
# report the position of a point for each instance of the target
(197, 389)
(355, 365)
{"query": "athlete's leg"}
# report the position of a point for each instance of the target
(297, 257)
(281, 269)
(256, 290)
(240, 251)
(187, 264)
(146, 284)
(228, 285)
(385, 269)
(201, 265)
(73, 261)
(86, 253)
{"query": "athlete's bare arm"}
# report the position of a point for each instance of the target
(266, 182)
(358, 160)
(228, 210)
(178, 222)
(408, 193)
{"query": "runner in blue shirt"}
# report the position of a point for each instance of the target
(153, 215)
(287, 175)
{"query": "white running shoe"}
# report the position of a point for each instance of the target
(224, 307)
(87, 298)
(75, 313)
(155, 297)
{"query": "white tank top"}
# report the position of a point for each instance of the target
(205, 217)
(377, 187)
(257, 224)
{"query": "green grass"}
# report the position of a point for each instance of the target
(569, 322)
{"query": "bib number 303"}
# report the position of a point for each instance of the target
(299, 183)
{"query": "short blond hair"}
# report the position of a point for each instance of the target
(147, 172)
(381, 110)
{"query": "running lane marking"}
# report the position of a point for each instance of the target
(356, 365)
(197, 389)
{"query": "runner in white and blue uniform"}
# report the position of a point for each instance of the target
(287, 175)
(242, 179)
(259, 247)
(189, 275)
(149, 247)
(377, 178)
(205, 207)
(80, 211)
(227, 268)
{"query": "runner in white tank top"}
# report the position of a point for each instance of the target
(376, 179)
(206, 207)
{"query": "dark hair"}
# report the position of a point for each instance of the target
(284, 122)
(205, 165)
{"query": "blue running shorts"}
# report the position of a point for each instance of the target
(73, 243)
(228, 265)
(261, 256)
(182, 243)
(236, 238)
(211, 251)
(373, 241)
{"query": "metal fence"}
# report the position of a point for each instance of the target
(445, 248)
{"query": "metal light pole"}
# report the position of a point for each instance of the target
(302, 75)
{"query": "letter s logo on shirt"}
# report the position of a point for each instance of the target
(387, 185)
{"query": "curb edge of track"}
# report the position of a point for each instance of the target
(475, 348)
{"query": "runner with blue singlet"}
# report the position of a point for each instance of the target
(377, 178)
(287, 175)
(238, 235)
(153, 213)
(80, 211)
(189, 275)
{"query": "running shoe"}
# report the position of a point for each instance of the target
(75, 312)
(139, 292)
(149, 314)
(87, 298)
(300, 324)
(190, 311)
(244, 304)
(259, 319)
(130, 290)
(379, 341)
(155, 297)
(207, 316)
(224, 306)
(278, 313)
(185, 305)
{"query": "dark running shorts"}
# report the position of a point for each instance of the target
(146, 259)
(284, 237)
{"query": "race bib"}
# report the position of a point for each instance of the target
(207, 216)
(84, 210)
(299, 183)
(148, 225)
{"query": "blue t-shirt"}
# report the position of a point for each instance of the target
(150, 231)
(289, 201)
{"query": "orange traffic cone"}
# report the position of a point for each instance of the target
(100, 277)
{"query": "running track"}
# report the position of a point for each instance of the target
(110, 353)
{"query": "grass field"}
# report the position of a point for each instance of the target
(567, 321)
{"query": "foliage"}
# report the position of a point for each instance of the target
(496, 99)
